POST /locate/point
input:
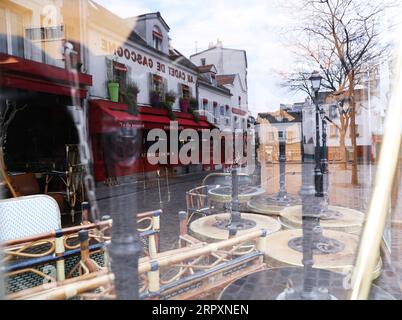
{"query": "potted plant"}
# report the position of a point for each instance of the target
(155, 97)
(193, 109)
(168, 105)
(113, 85)
(113, 89)
(170, 97)
(130, 97)
(184, 104)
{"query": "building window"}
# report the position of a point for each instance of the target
(204, 104)
(239, 102)
(158, 84)
(227, 110)
(11, 32)
(333, 131)
(157, 38)
(222, 110)
(185, 92)
(213, 79)
(203, 62)
(49, 40)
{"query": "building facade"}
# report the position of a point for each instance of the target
(130, 76)
(231, 73)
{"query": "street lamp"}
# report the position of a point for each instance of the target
(315, 80)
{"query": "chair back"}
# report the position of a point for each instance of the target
(27, 216)
(25, 184)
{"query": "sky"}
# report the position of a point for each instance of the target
(253, 25)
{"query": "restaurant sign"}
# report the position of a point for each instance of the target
(144, 60)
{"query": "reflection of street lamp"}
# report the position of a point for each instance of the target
(315, 85)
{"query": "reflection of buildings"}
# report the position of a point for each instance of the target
(270, 126)
(32, 74)
(226, 68)
(372, 97)
(107, 48)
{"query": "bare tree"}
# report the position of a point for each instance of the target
(334, 82)
(342, 38)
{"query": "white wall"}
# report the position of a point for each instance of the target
(212, 95)
(100, 40)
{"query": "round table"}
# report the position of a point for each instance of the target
(272, 204)
(269, 284)
(207, 228)
(223, 194)
(336, 218)
(279, 252)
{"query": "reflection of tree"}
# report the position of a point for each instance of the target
(8, 110)
(341, 38)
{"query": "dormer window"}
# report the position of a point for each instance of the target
(213, 79)
(157, 38)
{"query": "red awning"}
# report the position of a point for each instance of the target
(35, 76)
(119, 66)
(157, 35)
(239, 112)
(107, 116)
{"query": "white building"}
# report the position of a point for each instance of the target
(231, 72)
(214, 99)
(137, 49)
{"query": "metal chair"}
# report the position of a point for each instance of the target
(27, 216)
(72, 178)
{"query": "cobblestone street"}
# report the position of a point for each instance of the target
(171, 199)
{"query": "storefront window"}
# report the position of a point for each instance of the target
(141, 161)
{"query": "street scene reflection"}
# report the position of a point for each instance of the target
(131, 169)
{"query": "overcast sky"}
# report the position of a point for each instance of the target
(253, 25)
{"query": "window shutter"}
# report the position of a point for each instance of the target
(179, 90)
(109, 69)
(129, 74)
(190, 90)
(151, 82)
(165, 87)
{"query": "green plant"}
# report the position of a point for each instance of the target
(170, 96)
(193, 107)
(130, 97)
(193, 103)
(195, 115)
(168, 105)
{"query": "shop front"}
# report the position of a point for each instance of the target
(39, 138)
(120, 144)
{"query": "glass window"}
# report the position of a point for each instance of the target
(3, 31)
(157, 38)
(185, 92)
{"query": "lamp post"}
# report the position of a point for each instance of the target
(324, 160)
(282, 164)
(318, 177)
